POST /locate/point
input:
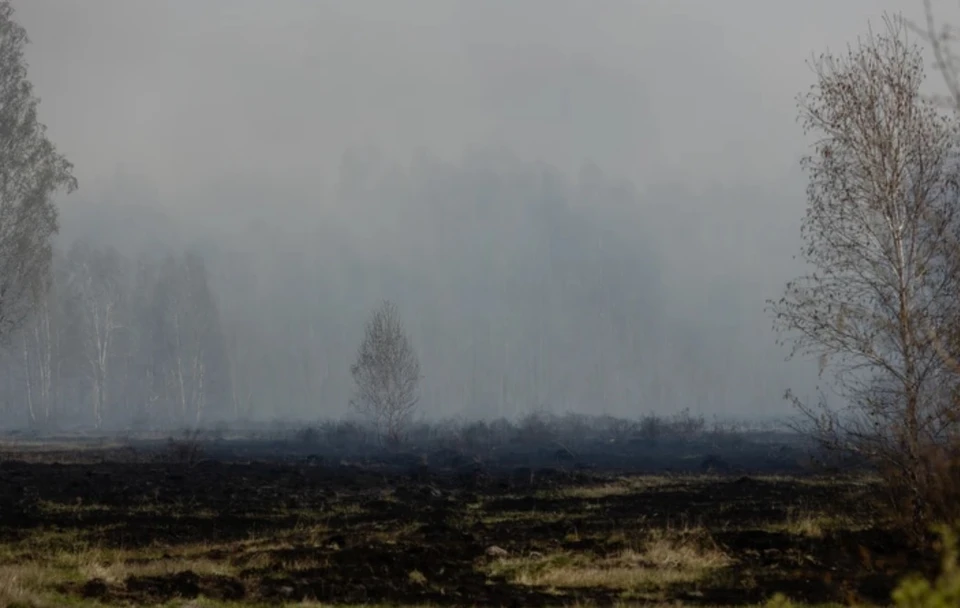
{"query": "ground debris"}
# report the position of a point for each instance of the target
(268, 532)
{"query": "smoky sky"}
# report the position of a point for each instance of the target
(191, 107)
(182, 91)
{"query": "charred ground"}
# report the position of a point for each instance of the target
(249, 521)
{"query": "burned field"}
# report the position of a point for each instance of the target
(122, 527)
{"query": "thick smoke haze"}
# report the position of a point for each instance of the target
(579, 206)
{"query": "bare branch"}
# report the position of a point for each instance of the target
(387, 374)
(882, 213)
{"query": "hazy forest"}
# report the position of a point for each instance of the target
(522, 287)
(463, 303)
(525, 285)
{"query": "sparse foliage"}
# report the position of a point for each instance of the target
(387, 374)
(31, 172)
(882, 213)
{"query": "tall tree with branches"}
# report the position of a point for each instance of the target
(31, 172)
(387, 374)
(881, 214)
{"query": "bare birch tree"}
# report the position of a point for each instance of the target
(31, 172)
(387, 374)
(145, 385)
(41, 339)
(189, 325)
(882, 212)
(97, 279)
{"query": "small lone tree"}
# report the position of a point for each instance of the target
(878, 232)
(387, 374)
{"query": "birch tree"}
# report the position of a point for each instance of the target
(387, 374)
(96, 277)
(144, 384)
(31, 173)
(194, 362)
(41, 341)
(881, 215)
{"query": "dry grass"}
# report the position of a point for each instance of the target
(639, 561)
(645, 483)
(665, 558)
(32, 569)
(19, 585)
(118, 571)
(620, 487)
(813, 524)
(30, 578)
(535, 515)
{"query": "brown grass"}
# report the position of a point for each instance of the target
(665, 558)
(620, 487)
(645, 558)
(815, 524)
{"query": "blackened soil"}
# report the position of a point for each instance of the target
(423, 536)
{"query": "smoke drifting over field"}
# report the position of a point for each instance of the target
(575, 209)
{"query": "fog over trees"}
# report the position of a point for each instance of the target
(523, 288)
(566, 222)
